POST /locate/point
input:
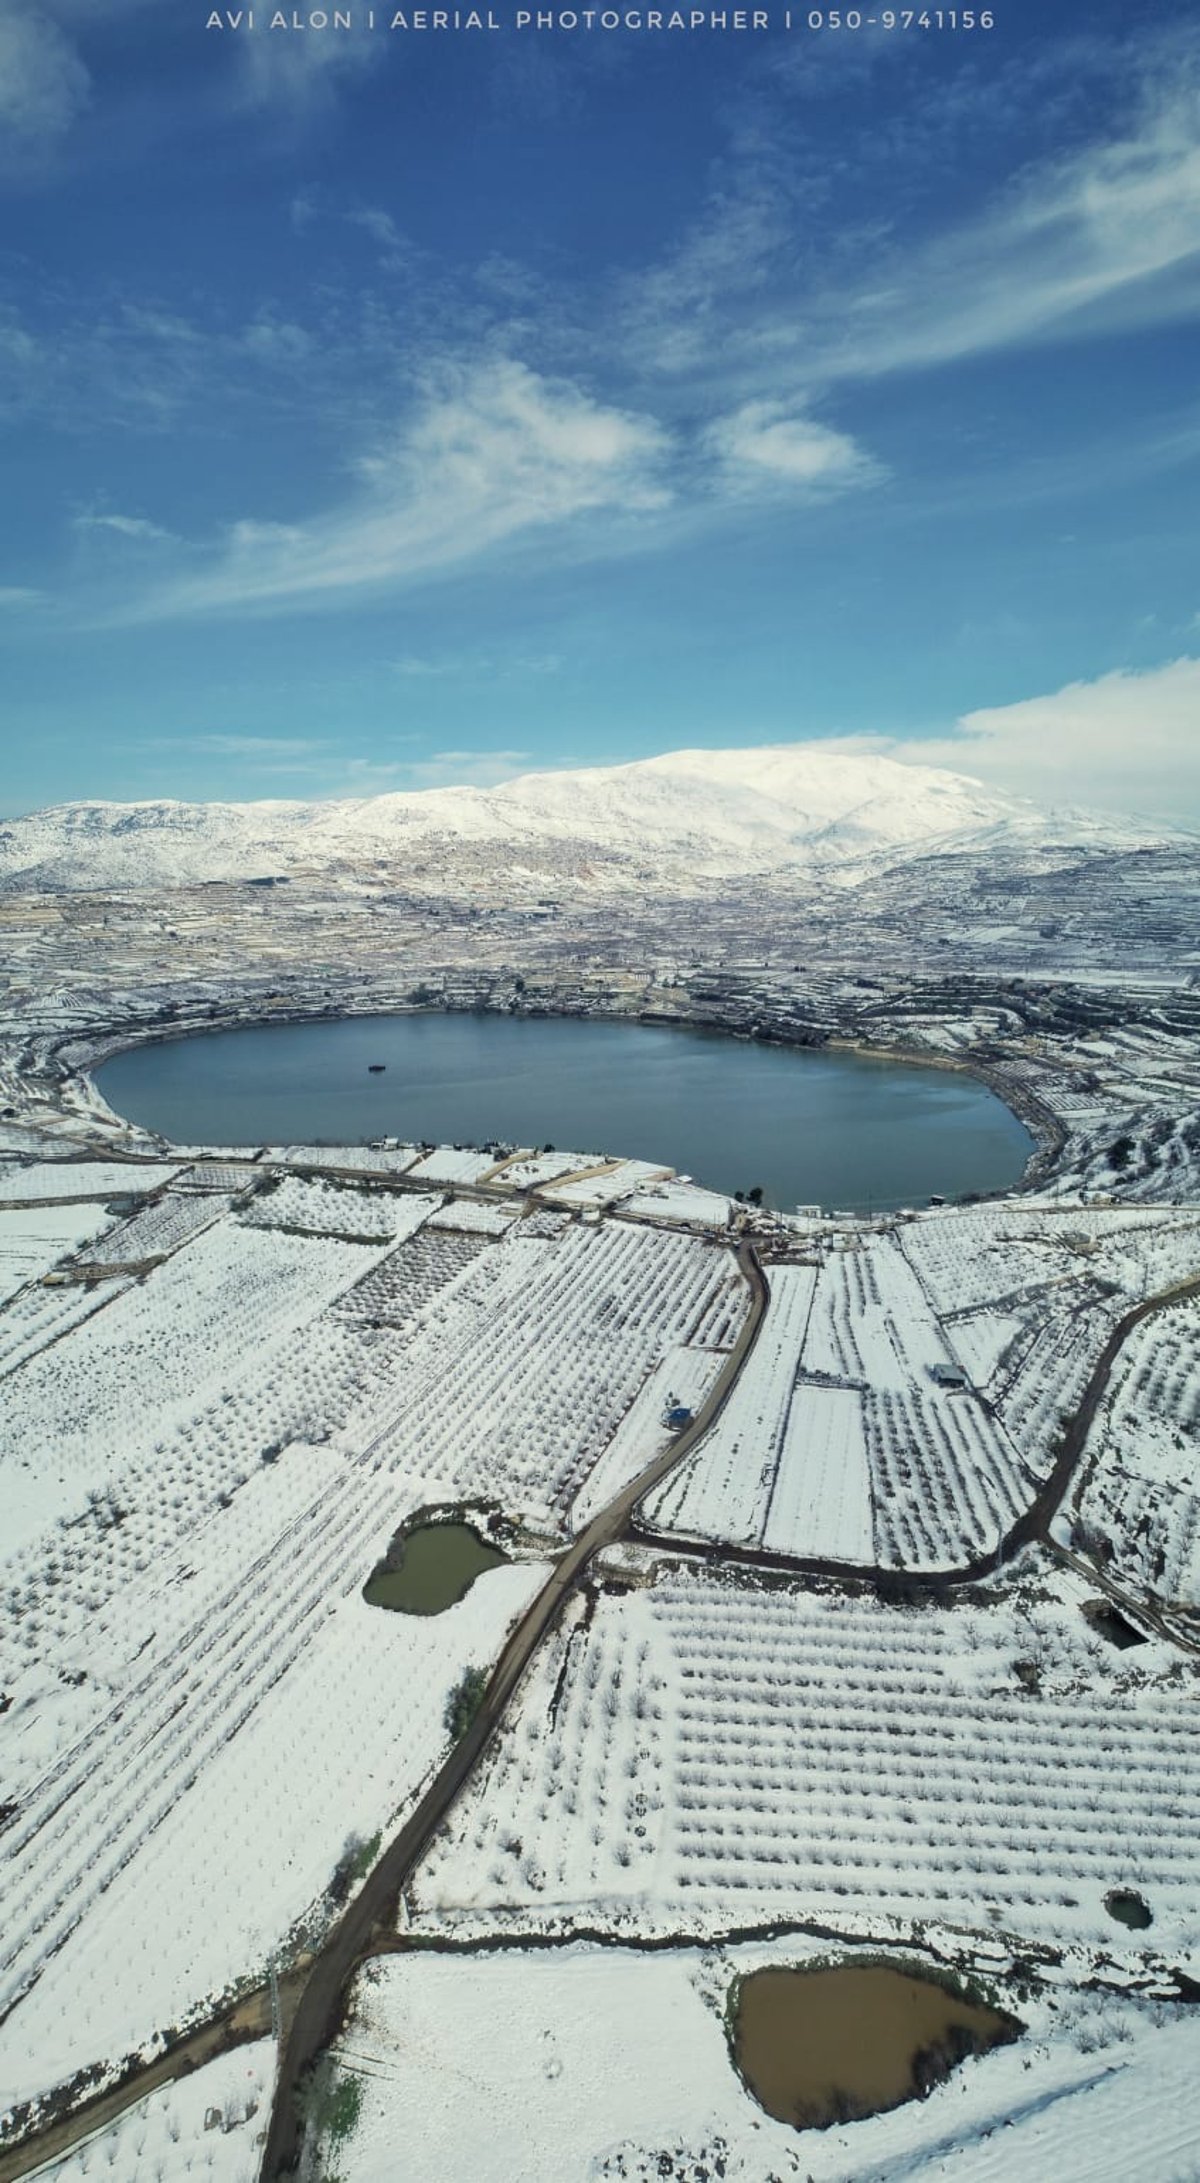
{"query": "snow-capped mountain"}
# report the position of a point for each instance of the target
(690, 817)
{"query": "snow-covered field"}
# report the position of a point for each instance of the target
(206, 1464)
(224, 1781)
(586, 2065)
(841, 1444)
(203, 2128)
(725, 1753)
(230, 1396)
(30, 1183)
(1140, 1494)
(34, 1238)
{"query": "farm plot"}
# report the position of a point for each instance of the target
(1141, 1494)
(229, 1178)
(683, 1378)
(616, 1181)
(404, 1284)
(538, 1351)
(470, 1217)
(454, 1163)
(158, 1228)
(709, 1754)
(37, 1316)
(348, 1371)
(532, 1169)
(838, 1444)
(376, 1159)
(1008, 1258)
(339, 1373)
(947, 1483)
(679, 1201)
(236, 1751)
(821, 1495)
(48, 1179)
(136, 1370)
(872, 1323)
(204, 2128)
(723, 1490)
(34, 1238)
(337, 1209)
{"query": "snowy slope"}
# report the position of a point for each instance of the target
(687, 816)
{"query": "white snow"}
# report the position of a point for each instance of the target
(34, 1238)
(719, 1754)
(204, 2128)
(226, 1787)
(26, 1185)
(579, 2065)
(710, 813)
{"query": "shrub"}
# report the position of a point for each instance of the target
(464, 1701)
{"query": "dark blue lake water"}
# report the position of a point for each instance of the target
(808, 1127)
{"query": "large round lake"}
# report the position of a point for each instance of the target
(806, 1127)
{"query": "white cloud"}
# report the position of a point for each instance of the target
(1127, 742)
(443, 769)
(260, 746)
(15, 597)
(383, 231)
(297, 69)
(495, 452)
(44, 84)
(123, 526)
(765, 444)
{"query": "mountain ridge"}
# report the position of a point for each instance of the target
(775, 811)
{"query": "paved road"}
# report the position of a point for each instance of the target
(321, 2002)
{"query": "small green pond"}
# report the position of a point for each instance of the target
(1129, 1908)
(427, 1570)
(824, 2046)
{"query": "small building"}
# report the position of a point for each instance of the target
(949, 1375)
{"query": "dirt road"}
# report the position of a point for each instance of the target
(321, 2002)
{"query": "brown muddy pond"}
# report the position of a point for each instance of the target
(429, 1569)
(825, 2046)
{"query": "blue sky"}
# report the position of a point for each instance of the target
(390, 408)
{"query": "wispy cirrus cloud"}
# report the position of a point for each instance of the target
(493, 453)
(1100, 237)
(1074, 246)
(121, 526)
